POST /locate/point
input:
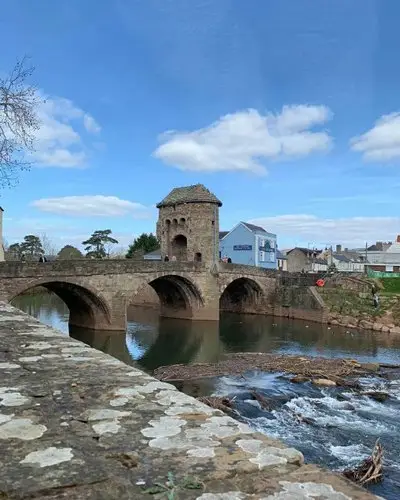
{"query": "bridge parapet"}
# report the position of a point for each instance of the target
(243, 270)
(90, 267)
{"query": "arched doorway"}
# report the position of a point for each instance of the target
(179, 247)
(242, 295)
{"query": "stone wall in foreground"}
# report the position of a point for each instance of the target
(78, 424)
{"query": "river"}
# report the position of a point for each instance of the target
(344, 425)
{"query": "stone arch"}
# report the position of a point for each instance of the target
(87, 308)
(179, 247)
(241, 295)
(179, 296)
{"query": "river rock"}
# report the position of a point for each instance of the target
(324, 382)
(385, 329)
(377, 395)
(395, 329)
(372, 367)
(377, 327)
(367, 325)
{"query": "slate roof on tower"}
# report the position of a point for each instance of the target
(189, 194)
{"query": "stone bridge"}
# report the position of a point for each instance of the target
(97, 292)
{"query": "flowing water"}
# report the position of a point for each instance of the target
(342, 427)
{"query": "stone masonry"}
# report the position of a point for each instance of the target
(97, 292)
(192, 285)
(188, 225)
(78, 424)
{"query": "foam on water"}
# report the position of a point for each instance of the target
(352, 453)
(339, 427)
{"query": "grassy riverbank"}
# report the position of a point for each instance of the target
(351, 307)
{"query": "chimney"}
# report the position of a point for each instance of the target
(338, 248)
(346, 249)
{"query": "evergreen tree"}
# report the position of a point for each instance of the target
(95, 245)
(145, 243)
(14, 252)
(31, 247)
(68, 252)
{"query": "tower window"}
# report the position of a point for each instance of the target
(182, 220)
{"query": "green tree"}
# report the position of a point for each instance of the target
(18, 121)
(13, 252)
(332, 268)
(31, 247)
(145, 243)
(95, 245)
(69, 253)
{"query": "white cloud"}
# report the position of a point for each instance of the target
(63, 158)
(382, 142)
(58, 140)
(241, 141)
(91, 125)
(303, 229)
(97, 205)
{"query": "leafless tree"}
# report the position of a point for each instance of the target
(47, 245)
(18, 121)
(116, 253)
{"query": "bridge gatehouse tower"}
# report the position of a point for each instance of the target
(188, 224)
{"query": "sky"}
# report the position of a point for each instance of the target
(288, 111)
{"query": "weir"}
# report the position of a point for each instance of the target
(76, 423)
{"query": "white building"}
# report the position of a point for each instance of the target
(385, 260)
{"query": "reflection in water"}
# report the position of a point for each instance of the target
(151, 341)
(246, 333)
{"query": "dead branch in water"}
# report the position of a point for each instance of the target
(370, 469)
(239, 363)
(219, 403)
(262, 400)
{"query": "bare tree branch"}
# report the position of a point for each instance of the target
(47, 245)
(18, 121)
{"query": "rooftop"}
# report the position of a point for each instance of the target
(280, 255)
(341, 257)
(197, 193)
(307, 251)
(253, 227)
